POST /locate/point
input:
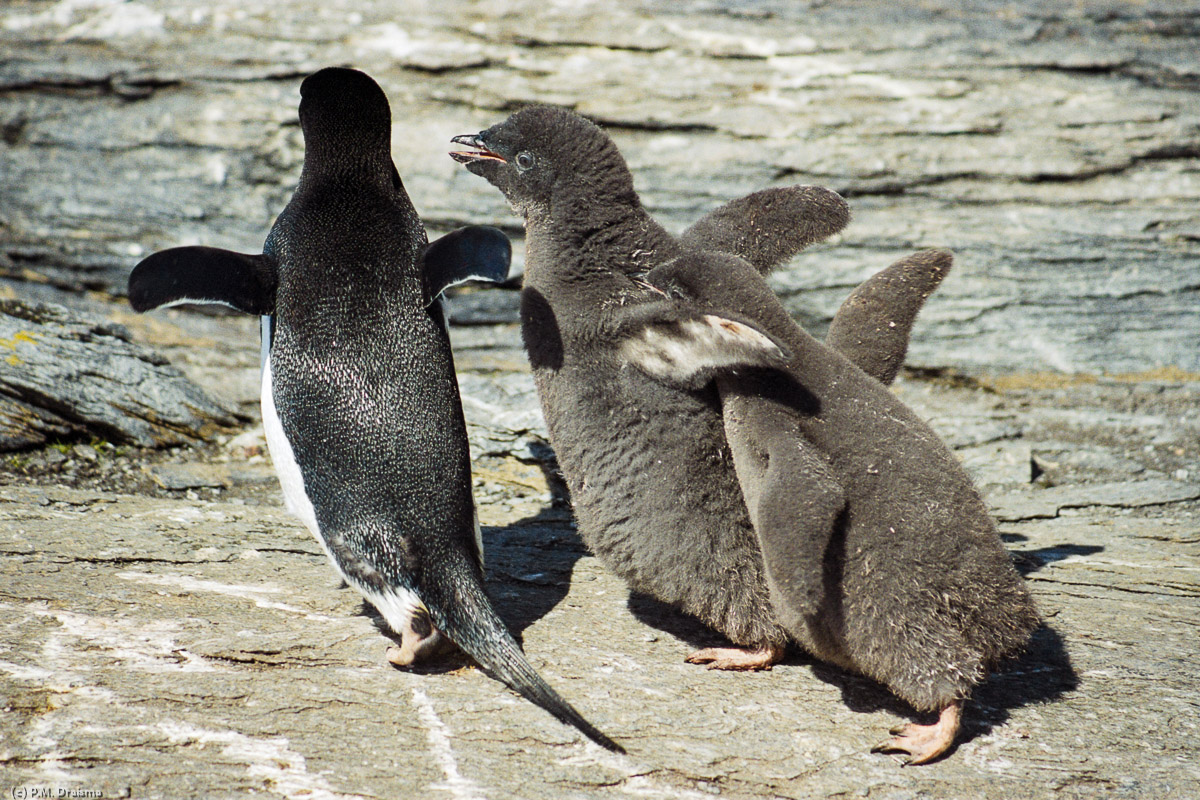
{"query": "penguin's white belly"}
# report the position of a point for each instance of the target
(290, 480)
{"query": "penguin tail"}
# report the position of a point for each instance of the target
(475, 627)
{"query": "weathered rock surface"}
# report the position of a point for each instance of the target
(153, 645)
(1054, 148)
(166, 630)
(65, 375)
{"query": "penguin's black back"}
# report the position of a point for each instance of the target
(360, 400)
(362, 373)
(367, 394)
(364, 382)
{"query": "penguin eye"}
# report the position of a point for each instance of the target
(525, 160)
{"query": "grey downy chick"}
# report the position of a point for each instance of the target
(625, 357)
(879, 553)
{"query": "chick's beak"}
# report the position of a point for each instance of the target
(480, 152)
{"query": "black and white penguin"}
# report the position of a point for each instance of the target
(359, 396)
(775, 501)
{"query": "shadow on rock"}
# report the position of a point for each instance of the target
(529, 563)
(529, 566)
(1041, 674)
(1028, 561)
(669, 619)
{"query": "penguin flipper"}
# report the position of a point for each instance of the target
(795, 502)
(873, 325)
(473, 253)
(204, 275)
(769, 227)
(686, 347)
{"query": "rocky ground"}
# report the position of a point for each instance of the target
(169, 631)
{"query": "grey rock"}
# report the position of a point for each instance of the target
(999, 463)
(166, 647)
(208, 642)
(180, 477)
(484, 307)
(1060, 462)
(86, 452)
(69, 375)
(1053, 149)
(1047, 503)
(503, 416)
(53, 457)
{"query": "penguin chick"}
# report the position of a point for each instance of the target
(886, 562)
(879, 552)
(644, 457)
(359, 396)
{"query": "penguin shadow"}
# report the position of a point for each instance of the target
(530, 562)
(668, 619)
(1030, 561)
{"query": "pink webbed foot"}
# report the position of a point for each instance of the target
(738, 658)
(924, 742)
(419, 641)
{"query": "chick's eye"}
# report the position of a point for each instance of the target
(525, 160)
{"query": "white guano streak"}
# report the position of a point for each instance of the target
(439, 744)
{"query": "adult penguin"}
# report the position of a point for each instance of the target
(359, 397)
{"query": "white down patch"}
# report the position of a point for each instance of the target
(396, 605)
(678, 352)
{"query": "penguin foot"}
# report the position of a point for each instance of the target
(419, 641)
(924, 742)
(738, 658)
(405, 655)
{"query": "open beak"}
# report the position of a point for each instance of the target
(479, 153)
